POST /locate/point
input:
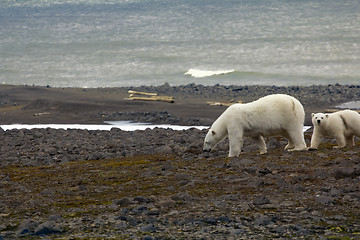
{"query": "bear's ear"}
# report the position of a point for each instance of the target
(312, 115)
(213, 132)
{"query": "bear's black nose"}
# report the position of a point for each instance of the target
(318, 121)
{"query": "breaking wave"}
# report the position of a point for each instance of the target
(206, 73)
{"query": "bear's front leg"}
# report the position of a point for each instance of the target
(315, 140)
(235, 143)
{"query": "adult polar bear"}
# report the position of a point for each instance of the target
(277, 114)
(342, 125)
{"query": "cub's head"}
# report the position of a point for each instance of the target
(319, 119)
(211, 139)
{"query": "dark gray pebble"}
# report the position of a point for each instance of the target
(48, 228)
(148, 228)
(325, 200)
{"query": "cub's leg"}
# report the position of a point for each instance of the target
(315, 140)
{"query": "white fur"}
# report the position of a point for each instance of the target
(341, 125)
(277, 114)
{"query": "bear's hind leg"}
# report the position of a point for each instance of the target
(290, 144)
(296, 140)
(259, 140)
(340, 140)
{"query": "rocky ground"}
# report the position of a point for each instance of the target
(159, 184)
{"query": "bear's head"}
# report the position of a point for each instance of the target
(319, 119)
(212, 138)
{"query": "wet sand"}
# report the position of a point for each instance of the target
(31, 105)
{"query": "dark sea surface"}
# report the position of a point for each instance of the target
(94, 43)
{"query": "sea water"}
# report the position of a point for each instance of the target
(114, 43)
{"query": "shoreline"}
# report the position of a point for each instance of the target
(41, 105)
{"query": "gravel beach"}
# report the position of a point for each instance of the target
(159, 184)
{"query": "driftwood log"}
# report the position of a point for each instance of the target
(145, 96)
(332, 110)
(229, 103)
(141, 93)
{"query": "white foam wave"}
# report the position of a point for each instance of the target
(197, 73)
(123, 125)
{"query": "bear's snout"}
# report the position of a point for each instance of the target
(318, 121)
(206, 148)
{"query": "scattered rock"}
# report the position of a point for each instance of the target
(325, 200)
(166, 204)
(121, 202)
(27, 227)
(148, 228)
(261, 200)
(344, 172)
(141, 199)
(183, 196)
(263, 221)
(48, 228)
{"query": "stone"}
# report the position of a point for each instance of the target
(121, 225)
(153, 212)
(139, 209)
(121, 202)
(142, 199)
(261, 200)
(322, 174)
(166, 203)
(235, 231)
(263, 221)
(263, 171)
(148, 238)
(48, 228)
(182, 176)
(343, 172)
(210, 220)
(325, 200)
(281, 183)
(27, 227)
(148, 228)
(334, 192)
(183, 196)
(54, 217)
(5, 179)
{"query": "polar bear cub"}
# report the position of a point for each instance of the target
(276, 114)
(341, 125)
